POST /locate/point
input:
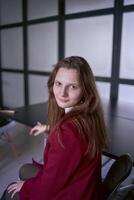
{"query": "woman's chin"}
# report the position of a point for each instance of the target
(63, 105)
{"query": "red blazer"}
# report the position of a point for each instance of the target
(68, 173)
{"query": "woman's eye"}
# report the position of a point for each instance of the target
(57, 83)
(73, 87)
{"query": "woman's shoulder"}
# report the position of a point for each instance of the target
(66, 130)
(67, 136)
(65, 127)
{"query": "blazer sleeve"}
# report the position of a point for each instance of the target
(62, 161)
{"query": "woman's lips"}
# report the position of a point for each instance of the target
(63, 100)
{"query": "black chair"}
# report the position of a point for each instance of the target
(117, 173)
(130, 194)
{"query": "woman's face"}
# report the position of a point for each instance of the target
(67, 89)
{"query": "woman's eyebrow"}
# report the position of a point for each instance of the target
(59, 80)
(68, 83)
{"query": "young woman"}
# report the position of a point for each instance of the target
(76, 139)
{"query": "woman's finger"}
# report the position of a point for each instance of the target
(14, 192)
(33, 130)
(12, 187)
(38, 123)
(38, 132)
(15, 187)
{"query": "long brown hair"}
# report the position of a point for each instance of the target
(88, 116)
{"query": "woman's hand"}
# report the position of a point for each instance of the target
(15, 187)
(39, 128)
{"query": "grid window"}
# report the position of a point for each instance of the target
(127, 55)
(126, 93)
(73, 6)
(43, 47)
(13, 90)
(40, 40)
(128, 2)
(42, 8)
(103, 89)
(38, 89)
(92, 39)
(11, 11)
(11, 48)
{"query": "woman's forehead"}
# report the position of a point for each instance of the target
(70, 75)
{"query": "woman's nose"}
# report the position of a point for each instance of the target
(63, 92)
